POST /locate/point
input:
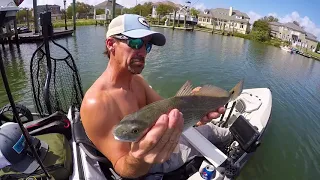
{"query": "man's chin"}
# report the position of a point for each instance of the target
(136, 70)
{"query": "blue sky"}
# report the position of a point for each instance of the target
(264, 7)
(303, 11)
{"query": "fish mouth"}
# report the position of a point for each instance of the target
(123, 140)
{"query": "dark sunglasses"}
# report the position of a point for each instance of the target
(134, 43)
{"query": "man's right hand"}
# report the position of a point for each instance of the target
(161, 140)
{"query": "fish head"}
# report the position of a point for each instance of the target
(130, 130)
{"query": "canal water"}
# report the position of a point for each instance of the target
(291, 146)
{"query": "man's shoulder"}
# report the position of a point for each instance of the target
(95, 99)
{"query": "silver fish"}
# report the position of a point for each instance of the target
(193, 105)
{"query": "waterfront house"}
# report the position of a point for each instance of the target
(107, 6)
(295, 34)
(54, 9)
(225, 20)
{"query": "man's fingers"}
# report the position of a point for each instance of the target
(222, 110)
(151, 138)
(169, 139)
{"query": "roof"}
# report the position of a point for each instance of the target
(311, 37)
(104, 4)
(276, 23)
(294, 27)
(222, 13)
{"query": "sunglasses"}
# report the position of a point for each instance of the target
(134, 43)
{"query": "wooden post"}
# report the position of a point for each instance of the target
(158, 19)
(74, 14)
(15, 31)
(185, 20)
(28, 25)
(179, 20)
(174, 19)
(212, 22)
(113, 9)
(35, 17)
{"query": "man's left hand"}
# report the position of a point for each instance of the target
(210, 115)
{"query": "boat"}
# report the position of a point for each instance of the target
(287, 49)
(247, 118)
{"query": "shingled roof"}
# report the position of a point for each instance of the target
(105, 4)
(222, 13)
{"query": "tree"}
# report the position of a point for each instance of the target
(144, 9)
(22, 15)
(81, 8)
(296, 23)
(318, 47)
(270, 19)
(194, 12)
(164, 9)
(260, 31)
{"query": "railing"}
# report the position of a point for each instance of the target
(102, 17)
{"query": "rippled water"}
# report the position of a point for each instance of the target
(291, 146)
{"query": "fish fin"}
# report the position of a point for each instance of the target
(209, 90)
(236, 90)
(185, 90)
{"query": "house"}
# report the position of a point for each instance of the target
(54, 9)
(107, 6)
(225, 19)
(295, 34)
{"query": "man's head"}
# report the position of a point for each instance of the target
(129, 39)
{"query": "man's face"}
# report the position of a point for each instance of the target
(132, 59)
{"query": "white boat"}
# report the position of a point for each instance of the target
(253, 106)
(287, 49)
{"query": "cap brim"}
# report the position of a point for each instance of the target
(29, 164)
(157, 39)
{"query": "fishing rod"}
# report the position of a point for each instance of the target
(15, 112)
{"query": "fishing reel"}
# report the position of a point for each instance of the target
(6, 113)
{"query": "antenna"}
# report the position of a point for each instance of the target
(15, 112)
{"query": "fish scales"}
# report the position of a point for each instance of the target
(193, 105)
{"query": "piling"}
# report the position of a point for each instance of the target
(185, 21)
(35, 17)
(174, 20)
(74, 14)
(15, 31)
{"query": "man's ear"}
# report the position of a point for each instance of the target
(110, 44)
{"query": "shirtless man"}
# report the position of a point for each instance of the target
(121, 90)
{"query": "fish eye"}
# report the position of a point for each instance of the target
(135, 131)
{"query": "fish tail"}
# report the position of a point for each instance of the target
(236, 90)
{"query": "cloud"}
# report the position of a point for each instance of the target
(253, 16)
(200, 6)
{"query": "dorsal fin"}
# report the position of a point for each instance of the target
(209, 90)
(185, 90)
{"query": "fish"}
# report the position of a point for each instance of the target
(193, 106)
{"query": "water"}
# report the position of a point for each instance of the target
(291, 146)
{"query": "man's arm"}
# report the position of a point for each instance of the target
(99, 116)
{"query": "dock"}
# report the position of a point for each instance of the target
(31, 37)
(171, 27)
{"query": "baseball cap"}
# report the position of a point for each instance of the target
(15, 152)
(134, 26)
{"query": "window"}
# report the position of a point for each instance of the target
(241, 26)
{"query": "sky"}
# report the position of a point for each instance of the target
(302, 11)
